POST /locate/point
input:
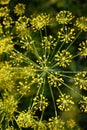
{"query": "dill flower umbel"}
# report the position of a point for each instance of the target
(55, 79)
(6, 82)
(83, 104)
(40, 103)
(66, 34)
(25, 119)
(4, 11)
(40, 21)
(6, 44)
(63, 58)
(55, 123)
(83, 48)
(9, 106)
(19, 9)
(64, 17)
(21, 26)
(65, 102)
(7, 22)
(49, 42)
(81, 80)
(81, 23)
(71, 123)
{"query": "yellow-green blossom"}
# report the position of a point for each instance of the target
(81, 80)
(40, 102)
(55, 123)
(83, 104)
(6, 44)
(63, 58)
(65, 102)
(83, 48)
(6, 82)
(81, 23)
(21, 27)
(71, 123)
(66, 34)
(64, 17)
(19, 9)
(4, 11)
(7, 22)
(9, 106)
(26, 119)
(49, 42)
(54, 79)
(40, 21)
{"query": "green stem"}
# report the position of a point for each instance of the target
(54, 51)
(42, 115)
(17, 123)
(41, 35)
(60, 46)
(70, 88)
(27, 59)
(53, 100)
(37, 54)
(45, 32)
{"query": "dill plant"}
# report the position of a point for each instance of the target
(34, 68)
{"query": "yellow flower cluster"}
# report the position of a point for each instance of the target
(7, 22)
(64, 17)
(6, 44)
(40, 21)
(83, 104)
(63, 58)
(21, 26)
(71, 123)
(65, 102)
(37, 79)
(81, 80)
(55, 79)
(9, 105)
(66, 34)
(23, 88)
(25, 119)
(83, 48)
(81, 23)
(19, 9)
(6, 82)
(48, 42)
(4, 11)
(40, 102)
(55, 123)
